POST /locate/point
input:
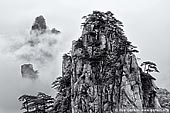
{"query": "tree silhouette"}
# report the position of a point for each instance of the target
(27, 100)
(148, 85)
(41, 103)
(149, 67)
(63, 97)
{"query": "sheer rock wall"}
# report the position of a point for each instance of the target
(105, 75)
(97, 85)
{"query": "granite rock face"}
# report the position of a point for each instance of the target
(27, 71)
(105, 75)
(104, 79)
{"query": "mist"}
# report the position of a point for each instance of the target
(16, 50)
(146, 24)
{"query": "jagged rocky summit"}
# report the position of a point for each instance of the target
(40, 27)
(102, 72)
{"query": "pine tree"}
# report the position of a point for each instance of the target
(41, 103)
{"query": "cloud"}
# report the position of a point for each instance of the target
(12, 85)
(43, 51)
(40, 49)
(146, 25)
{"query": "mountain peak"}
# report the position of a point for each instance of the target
(39, 26)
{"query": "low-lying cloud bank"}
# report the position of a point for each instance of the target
(43, 51)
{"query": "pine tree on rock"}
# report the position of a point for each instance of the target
(150, 98)
(63, 87)
(103, 70)
(99, 75)
(41, 103)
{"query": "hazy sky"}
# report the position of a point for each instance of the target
(146, 24)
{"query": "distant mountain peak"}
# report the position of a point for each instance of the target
(39, 26)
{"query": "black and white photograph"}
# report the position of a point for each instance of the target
(84, 56)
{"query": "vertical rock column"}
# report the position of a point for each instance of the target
(105, 74)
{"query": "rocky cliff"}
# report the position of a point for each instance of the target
(103, 70)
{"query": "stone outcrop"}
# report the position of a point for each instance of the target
(27, 71)
(105, 76)
(103, 69)
(39, 24)
(150, 98)
(39, 27)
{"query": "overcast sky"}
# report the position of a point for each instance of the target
(146, 24)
